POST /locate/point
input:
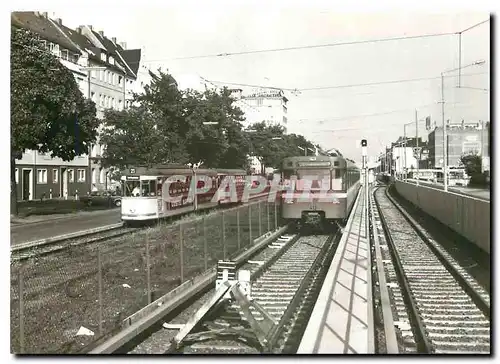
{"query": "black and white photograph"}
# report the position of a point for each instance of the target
(250, 178)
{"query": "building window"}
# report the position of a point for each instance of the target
(54, 48)
(103, 57)
(66, 55)
(284, 109)
(71, 175)
(80, 175)
(94, 175)
(101, 75)
(92, 96)
(101, 175)
(92, 73)
(101, 100)
(120, 106)
(120, 80)
(55, 175)
(42, 176)
(17, 175)
(260, 102)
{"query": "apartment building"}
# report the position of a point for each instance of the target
(462, 138)
(271, 106)
(105, 70)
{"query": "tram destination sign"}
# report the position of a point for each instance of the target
(314, 164)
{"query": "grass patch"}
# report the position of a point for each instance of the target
(61, 290)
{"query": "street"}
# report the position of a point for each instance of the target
(74, 222)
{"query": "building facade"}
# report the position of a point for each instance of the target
(104, 70)
(270, 106)
(462, 139)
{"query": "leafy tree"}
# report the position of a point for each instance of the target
(132, 138)
(48, 111)
(473, 165)
(163, 99)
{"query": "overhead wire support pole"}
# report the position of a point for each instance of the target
(445, 137)
(364, 159)
(418, 151)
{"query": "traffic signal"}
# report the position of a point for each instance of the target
(363, 143)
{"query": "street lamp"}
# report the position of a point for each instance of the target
(445, 134)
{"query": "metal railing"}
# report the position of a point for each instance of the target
(96, 286)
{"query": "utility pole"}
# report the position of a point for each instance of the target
(404, 163)
(445, 138)
(418, 152)
(365, 168)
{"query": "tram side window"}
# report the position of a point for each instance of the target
(149, 188)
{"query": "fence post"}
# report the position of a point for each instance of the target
(148, 268)
(250, 223)
(205, 245)
(275, 216)
(268, 220)
(21, 309)
(238, 227)
(260, 218)
(224, 250)
(181, 249)
(99, 273)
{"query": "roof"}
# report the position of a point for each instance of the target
(115, 51)
(132, 57)
(82, 41)
(43, 27)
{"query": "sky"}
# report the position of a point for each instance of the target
(336, 117)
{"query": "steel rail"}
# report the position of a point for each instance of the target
(419, 331)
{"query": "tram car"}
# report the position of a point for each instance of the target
(338, 176)
(236, 177)
(142, 188)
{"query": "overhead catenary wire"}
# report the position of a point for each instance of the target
(361, 116)
(327, 45)
(319, 88)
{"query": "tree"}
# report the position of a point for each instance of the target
(48, 111)
(131, 138)
(163, 99)
(472, 163)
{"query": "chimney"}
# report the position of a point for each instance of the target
(113, 40)
(101, 33)
(123, 45)
(45, 14)
(59, 21)
(79, 29)
(90, 27)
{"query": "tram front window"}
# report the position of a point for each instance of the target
(131, 188)
(139, 188)
(314, 179)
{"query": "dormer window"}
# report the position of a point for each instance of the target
(111, 60)
(103, 56)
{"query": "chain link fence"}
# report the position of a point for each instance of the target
(63, 301)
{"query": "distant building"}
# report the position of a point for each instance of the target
(104, 71)
(400, 155)
(271, 107)
(462, 139)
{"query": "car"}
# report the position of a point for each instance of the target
(102, 198)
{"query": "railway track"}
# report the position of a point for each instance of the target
(46, 246)
(439, 306)
(285, 278)
(30, 249)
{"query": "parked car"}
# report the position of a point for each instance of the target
(102, 198)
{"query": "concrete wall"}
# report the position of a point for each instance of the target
(468, 216)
